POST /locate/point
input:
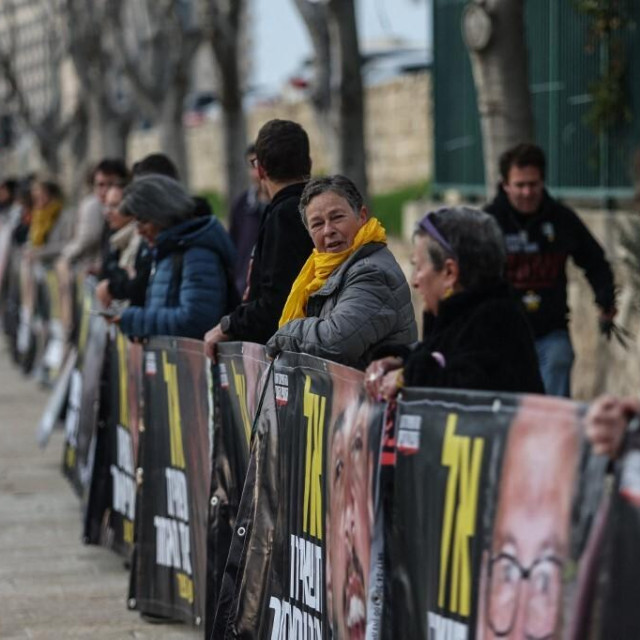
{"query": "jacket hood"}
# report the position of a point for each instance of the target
(205, 233)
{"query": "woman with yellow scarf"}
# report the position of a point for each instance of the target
(47, 206)
(351, 301)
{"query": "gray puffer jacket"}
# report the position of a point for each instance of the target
(363, 309)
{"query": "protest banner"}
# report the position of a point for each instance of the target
(174, 460)
(110, 514)
(83, 400)
(487, 540)
(618, 560)
(300, 560)
(240, 376)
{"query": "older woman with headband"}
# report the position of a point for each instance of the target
(478, 336)
(351, 299)
(193, 257)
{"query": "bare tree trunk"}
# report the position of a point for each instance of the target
(337, 96)
(172, 138)
(109, 116)
(235, 142)
(108, 134)
(316, 19)
(115, 136)
(225, 28)
(350, 97)
(501, 77)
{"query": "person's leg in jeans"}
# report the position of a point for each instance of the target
(555, 354)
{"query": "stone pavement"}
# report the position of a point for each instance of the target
(51, 585)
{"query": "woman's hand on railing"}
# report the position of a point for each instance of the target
(375, 377)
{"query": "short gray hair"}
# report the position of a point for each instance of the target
(158, 199)
(476, 240)
(340, 185)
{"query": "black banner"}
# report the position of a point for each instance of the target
(83, 399)
(618, 555)
(301, 560)
(239, 379)
(488, 534)
(111, 508)
(175, 465)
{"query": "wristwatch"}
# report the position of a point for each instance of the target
(225, 324)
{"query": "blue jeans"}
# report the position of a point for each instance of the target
(555, 355)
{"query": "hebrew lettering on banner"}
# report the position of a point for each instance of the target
(170, 558)
(489, 514)
(110, 514)
(301, 561)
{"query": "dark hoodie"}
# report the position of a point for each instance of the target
(538, 246)
(190, 283)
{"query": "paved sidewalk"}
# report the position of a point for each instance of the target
(51, 585)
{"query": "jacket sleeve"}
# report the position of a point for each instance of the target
(590, 257)
(365, 312)
(124, 287)
(202, 300)
(287, 246)
(88, 231)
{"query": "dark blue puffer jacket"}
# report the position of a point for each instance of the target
(191, 307)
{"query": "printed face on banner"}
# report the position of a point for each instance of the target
(349, 521)
(521, 596)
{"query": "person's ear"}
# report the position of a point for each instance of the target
(261, 172)
(451, 271)
(363, 215)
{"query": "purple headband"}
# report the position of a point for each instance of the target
(426, 225)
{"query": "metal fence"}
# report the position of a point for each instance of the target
(580, 163)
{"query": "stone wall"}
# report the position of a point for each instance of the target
(398, 127)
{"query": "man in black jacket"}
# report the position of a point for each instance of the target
(540, 234)
(283, 245)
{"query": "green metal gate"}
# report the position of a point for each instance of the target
(561, 70)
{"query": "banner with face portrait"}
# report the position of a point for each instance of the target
(83, 398)
(174, 458)
(239, 380)
(110, 514)
(301, 560)
(619, 552)
(490, 516)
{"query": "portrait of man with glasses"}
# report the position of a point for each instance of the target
(522, 583)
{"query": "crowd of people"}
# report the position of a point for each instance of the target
(306, 268)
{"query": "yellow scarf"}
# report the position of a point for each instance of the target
(42, 221)
(319, 266)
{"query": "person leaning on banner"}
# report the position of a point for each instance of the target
(123, 263)
(351, 298)
(193, 261)
(283, 245)
(540, 234)
(479, 337)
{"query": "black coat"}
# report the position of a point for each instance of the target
(486, 344)
(283, 246)
(124, 287)
(538, 246)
